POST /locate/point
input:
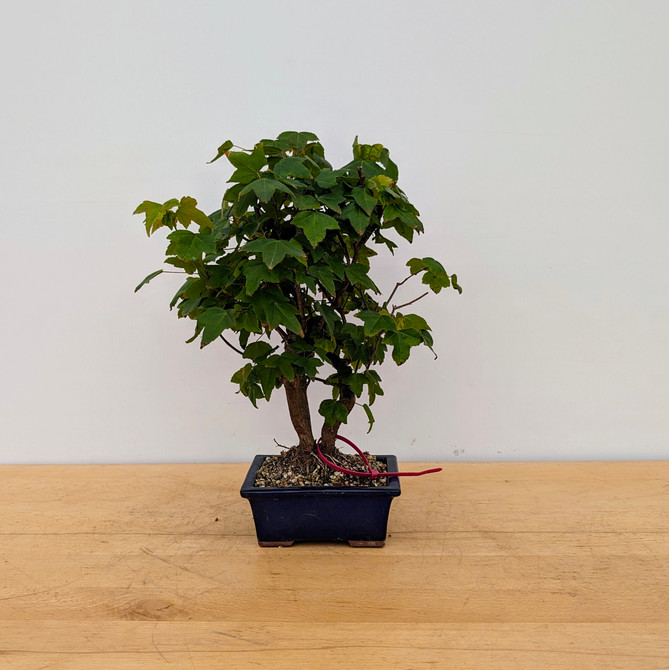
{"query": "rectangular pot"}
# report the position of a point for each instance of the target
(354, 514)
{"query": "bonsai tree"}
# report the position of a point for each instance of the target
(281, 274)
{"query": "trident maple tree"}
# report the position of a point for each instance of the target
(281, 274)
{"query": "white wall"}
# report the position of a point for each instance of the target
(532, 136)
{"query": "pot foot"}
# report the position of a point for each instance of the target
(287, 543)
(366, 543)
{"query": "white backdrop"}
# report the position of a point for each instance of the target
(532, 136)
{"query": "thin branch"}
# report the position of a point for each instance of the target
(343, 245)
(411, 302)
(399, 283)
(322, 381)
(232, 346)
(284, 337)
(363, 297)
(360, 244)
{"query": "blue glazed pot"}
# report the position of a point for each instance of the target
(354, 514)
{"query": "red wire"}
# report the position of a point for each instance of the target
(373, 474)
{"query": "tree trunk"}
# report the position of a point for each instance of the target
(329, 433)
(298, 407)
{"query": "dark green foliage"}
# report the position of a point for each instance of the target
(288, 253)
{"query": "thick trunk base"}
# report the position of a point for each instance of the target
(298, 408)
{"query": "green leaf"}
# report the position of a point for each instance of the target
(268, 378)
(315, 225)
(297, 141)
(414, 321)
(242, 374)
(454, 283)
(355, 382)
(274, 251)
(390, 213)
(381, 181)
(257, 350)
(248, 165)
(188, 306)
(286, 368)
(293, 166)
(373, 385)
(338, 266)
(333, 411)
(222, 150)
(306, 202)
(190, 246)
(417, 265)
(411, 220)
(372, 152)
(365, 199)
(370, 169)
(273, 307)
(332, 201)
(356, 273)
(256, 273)
(284, 314)
(376, 323)
(308, 364)
(180, 293)
(157, 215)
(147, 279)
(436, 281)
(359, 219)
(283, 363)
(265, 188)
(329, 316)
(215, 320)
(370, 417)
(435, 276)
(391, 169)
(188, 212)
(401, 343)
(325, 277)
(328, 178)
(246, 322)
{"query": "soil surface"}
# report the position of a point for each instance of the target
(291, 468)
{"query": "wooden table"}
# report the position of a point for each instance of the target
(506, 565)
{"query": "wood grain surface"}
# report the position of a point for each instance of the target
(505, 565)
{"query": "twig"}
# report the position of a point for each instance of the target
(322, 381)
(285, 338)
(232, 346)
(360, 244)
(399, 283)
(411, 302)
(343, 246)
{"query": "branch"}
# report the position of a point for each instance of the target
(360, 244)
(285, 338)
(343, 246)
(411, 302)
(234, 348)
(399, 283)
(322, 381)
